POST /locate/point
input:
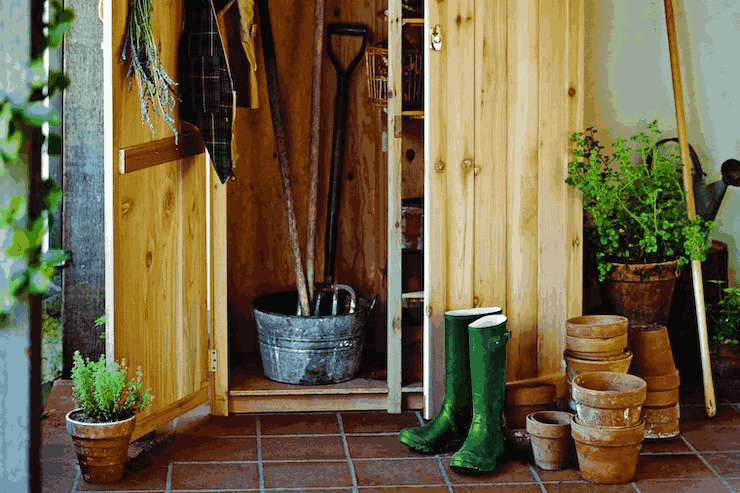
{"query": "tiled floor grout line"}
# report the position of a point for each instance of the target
(444, 473)
(260, 468)
(706, 463)
(537, 477)
(168, 481)
(418, 416)
(635, 487)
(346, 453)
(78, 475)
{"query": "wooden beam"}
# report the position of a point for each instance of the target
(161, 151)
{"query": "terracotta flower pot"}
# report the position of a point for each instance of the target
(661, 422)
(725, 360)
(596, 326)
(642, 292)
(607, 455)
(586, 348)
(657, 383)
(550, 435)
(608, 399)
(522, 400)
(102, 448)
(652, 350)
(576, 366)
(663, 398)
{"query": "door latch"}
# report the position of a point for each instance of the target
(436, 37)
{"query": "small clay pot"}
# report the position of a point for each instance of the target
(552, 444)
(663, 398)
(576, 366)
(582, 347)
(596, 326)
(652, 350)
(608, 399)
(657, 383)
(522, 400)
(607, 455)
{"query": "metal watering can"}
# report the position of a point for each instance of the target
(709, 197)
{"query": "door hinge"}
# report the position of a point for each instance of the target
(212, 361)
(436, 37)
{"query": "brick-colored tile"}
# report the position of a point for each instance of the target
(150, 479)
(587, 487)
(695, 417)
(405, 489)
(398, 472)
(674, 445)
(297, 448)
(378, 422)
(498, 488)
(569, 474)
(58, 476)
(702, 485)
(216, 426)
(199, 448)
(714, 438)
(670, 466)
(507, 471)
(214, 476)
(379, 447)
(726, 465)
(306, 474)
(298, 424)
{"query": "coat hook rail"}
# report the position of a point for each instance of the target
(159, 152)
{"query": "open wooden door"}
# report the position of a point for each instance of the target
(159, 196)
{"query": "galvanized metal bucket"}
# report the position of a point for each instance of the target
(312, 350)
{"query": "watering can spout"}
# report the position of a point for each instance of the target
(709, 197)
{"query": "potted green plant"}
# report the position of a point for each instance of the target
(636, 224)
(724, 317)
(102, 426)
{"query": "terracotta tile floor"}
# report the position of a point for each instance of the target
(358, 452)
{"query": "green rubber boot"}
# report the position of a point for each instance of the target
(485, 441)
(453, 419)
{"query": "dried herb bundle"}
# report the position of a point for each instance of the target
(156, 88)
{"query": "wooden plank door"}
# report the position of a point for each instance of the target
(504, 93)
(158, 237)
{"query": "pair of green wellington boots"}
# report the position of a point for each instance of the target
(475, 383)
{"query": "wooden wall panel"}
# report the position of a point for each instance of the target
(522, 212)
(258, 253)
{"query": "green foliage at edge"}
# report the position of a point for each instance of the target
(725, 316)
(26, 240)
(638, 209)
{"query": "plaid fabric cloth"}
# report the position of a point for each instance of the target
(207, 98)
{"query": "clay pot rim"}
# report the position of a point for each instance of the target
(82, 429)
(608, 436)
(582, 342)
(596, 326)
(662, 398)
(657, 383)
(531, 395)
(658, 271)
(627, 354)
(549, 424)
(609, 399)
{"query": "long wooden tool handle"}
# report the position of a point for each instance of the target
(273, 89)
(313, 153)
(710, 403)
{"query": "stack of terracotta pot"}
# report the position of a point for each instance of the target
(608, 429)
(653, 361)
(596, 343)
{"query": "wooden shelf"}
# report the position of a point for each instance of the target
(260, 385)
(413, 114)
(413, 21)
(414, 298)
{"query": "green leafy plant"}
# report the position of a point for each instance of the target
(104, 391)
(725, 316)
(26, 233)
(635, 202)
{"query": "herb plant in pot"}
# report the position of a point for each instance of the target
(102, 426)
(724, 346)
(636, 223)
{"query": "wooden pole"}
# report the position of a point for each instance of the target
(701, 318)
(313, 154)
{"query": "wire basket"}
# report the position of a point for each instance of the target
(376, 64)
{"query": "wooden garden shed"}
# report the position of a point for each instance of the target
(185, 255)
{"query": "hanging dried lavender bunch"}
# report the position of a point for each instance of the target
(156, 88)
